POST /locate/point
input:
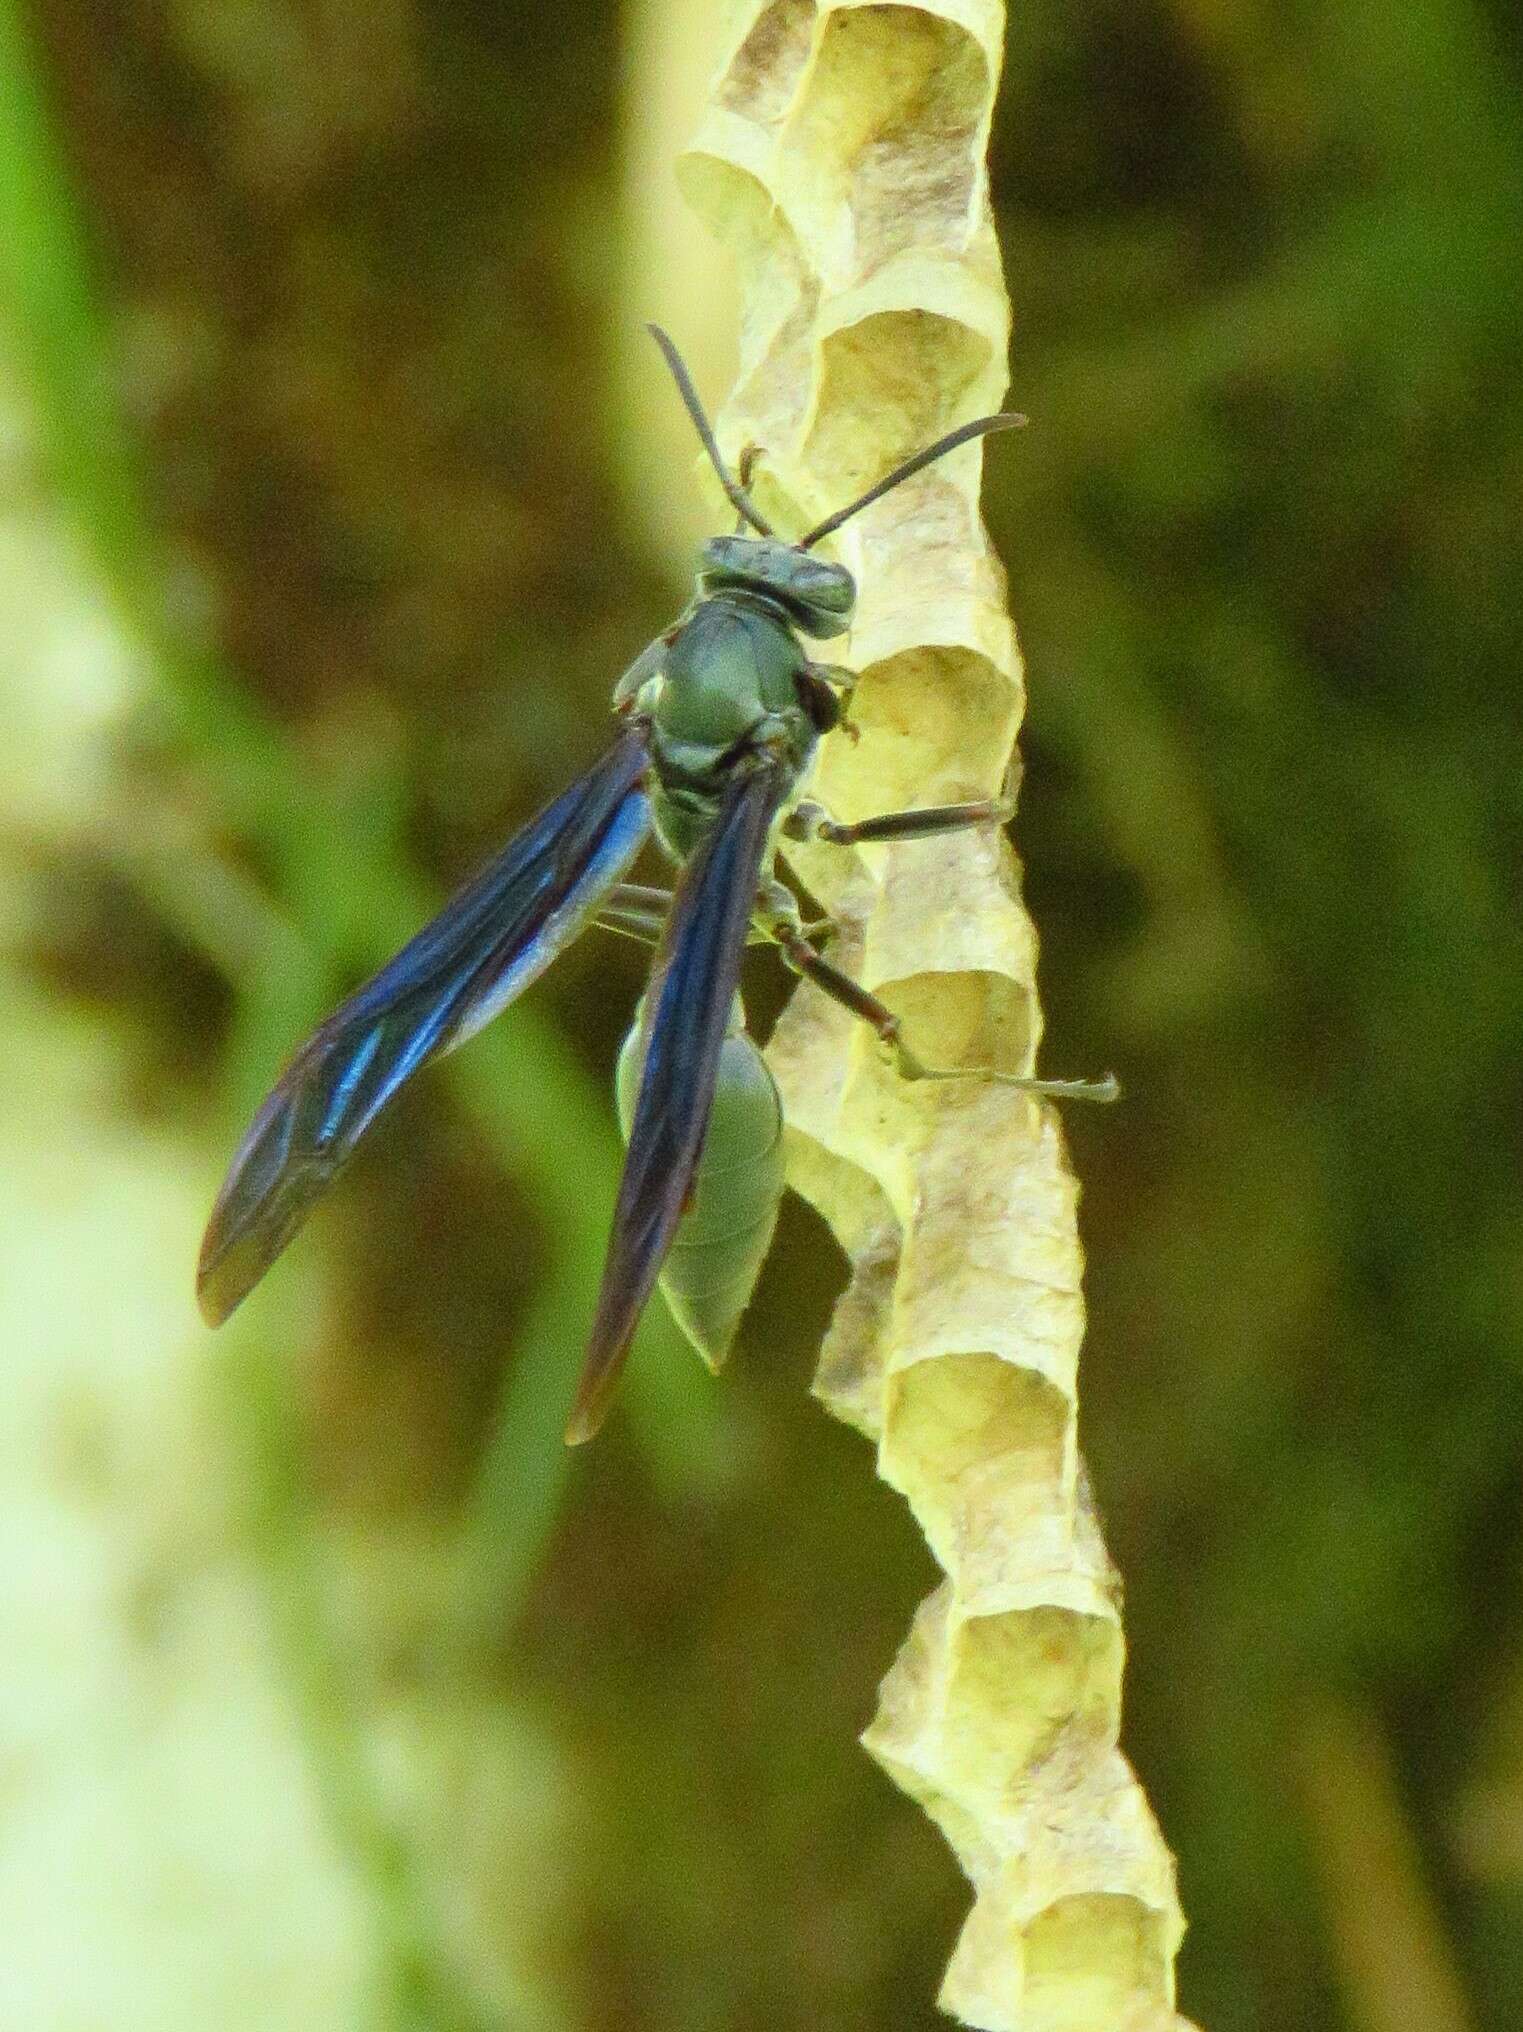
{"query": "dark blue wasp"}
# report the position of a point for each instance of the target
(718, 722)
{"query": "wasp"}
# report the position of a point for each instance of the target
(717, 724)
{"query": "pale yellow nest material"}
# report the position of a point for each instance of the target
(841, 157)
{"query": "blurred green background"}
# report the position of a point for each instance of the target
(334, 492)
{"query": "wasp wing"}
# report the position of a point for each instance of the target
(486, 945)
(687, 1013)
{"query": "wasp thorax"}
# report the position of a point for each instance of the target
(819, 597)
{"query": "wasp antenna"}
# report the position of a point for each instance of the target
(981, 426)
(739, 499)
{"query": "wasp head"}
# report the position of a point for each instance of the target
(819, 597)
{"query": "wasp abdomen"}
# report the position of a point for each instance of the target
(722, 1239)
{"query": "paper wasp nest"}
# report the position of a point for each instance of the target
(841, 158)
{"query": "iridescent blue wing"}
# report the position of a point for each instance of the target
(687, 1012)
(486, 945)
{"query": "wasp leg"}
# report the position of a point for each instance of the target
(637, 912)
(837, 676)
(639, 896)
(634, 911)
(833, 685)
(803, 959)
(642, 925)
(809, 821)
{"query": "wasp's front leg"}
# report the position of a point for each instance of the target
(826, 690)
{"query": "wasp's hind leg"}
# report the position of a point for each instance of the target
(803, 959)
(809, 821)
